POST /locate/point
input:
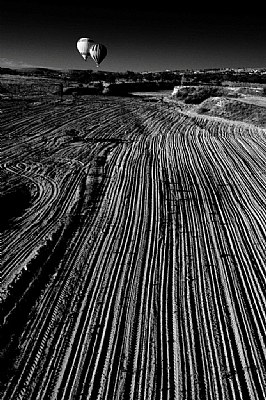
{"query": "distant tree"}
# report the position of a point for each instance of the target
(110, 78)
(167, 76)
(130, 75)
(139, 77)
(150, 77)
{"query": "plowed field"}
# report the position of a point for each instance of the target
(133, 253)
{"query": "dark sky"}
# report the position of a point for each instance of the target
(138, 38)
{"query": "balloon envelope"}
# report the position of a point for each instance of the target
(98, 52)
(83, 46)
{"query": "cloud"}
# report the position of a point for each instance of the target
(8, 63)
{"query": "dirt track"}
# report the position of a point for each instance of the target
(138, 269)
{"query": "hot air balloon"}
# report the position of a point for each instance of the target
(83, 46)
(98, 52)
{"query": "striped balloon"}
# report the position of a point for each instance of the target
(98, 52)
(83, 46)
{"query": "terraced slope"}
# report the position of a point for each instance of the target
(137, 271)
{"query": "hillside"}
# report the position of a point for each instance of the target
(234, 109)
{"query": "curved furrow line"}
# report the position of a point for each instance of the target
(245, 199)
(46, 324)
(143, 363)
(53, 206)
(197, 378)
(140, 306)
(47, 192)
(33, 138)
(231, 241)
(196, 174)
(195, 279)
(105, 253)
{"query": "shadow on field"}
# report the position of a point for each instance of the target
(13, 205)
